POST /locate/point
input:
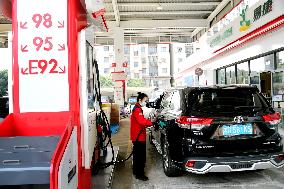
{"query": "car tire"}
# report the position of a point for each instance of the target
(170, 169)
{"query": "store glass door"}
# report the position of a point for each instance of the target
(265, 84)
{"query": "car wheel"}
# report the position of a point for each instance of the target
(169, 168)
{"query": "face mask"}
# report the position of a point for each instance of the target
(143, 104)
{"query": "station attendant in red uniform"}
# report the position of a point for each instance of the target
(138, 124)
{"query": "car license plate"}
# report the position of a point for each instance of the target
(229, 130)
(241, 165)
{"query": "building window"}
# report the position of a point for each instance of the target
(230, 75)
(106, 70)
(164, 49)
(164, 70)
(143, 49)
(242, 73)
(126, 49)
(106, 60)
(188, 50)
(163, 60)
(180, 60)
(143, 60)
(153, 71)
(136, 64)
(152, 49)
(106, 48)
(144, 70)
(280, 60)
(221, 76)
(136, 75)
(135, 53)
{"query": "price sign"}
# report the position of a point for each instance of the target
(118, 92)
(118, 76)
(42, 55)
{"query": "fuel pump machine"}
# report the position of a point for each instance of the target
(49, 137)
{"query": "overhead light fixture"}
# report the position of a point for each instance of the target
(159, 7)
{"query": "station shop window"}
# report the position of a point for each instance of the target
(262, 64)
(243, 73)
(230, 75)
(278, 83)
(280, 60)
(221, 76)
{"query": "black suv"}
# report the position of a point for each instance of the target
(216, 129)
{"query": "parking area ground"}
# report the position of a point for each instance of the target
(263, 179)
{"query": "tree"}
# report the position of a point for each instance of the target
(106, 81)
(3, 82)
(135, 83)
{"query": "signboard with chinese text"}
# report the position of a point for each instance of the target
(42, 56)
(249, 19)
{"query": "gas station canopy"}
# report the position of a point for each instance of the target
(146, 21)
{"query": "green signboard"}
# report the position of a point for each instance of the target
(222, 37)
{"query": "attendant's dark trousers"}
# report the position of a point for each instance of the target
(139, 157)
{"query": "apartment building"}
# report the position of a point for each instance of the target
(105, 57)
(150, 62)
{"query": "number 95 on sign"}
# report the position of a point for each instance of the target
(43, 67)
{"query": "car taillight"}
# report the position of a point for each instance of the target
(273, 119)
(190, 163)
(194, 122)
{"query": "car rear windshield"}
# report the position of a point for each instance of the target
(226, 102)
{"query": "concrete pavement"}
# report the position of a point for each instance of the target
(123, 179)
